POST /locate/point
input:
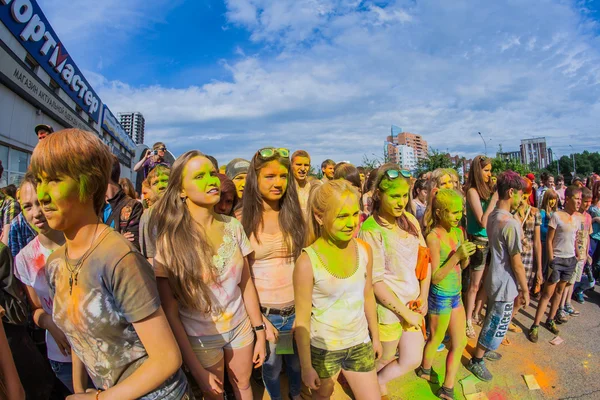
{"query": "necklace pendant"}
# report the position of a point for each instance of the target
(70, 285)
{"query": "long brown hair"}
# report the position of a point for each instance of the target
(549, 194)
(379, 185)
(128, 188)
(291, 221)
(484, 190)
(182, 243)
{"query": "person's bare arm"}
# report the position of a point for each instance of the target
(208, 382)
(5, 232)
(42, 319)
(140, 163)
(164, 359)
(253, 309)
(8, 371)
(474, 201)
(389, 300)
(550, 243)
(303, 289)
(80, 376)
(537, 249)
(371, 308)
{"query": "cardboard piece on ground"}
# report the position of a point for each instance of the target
(468, 385)
(476, 396)
(557, 340)
(532, 383)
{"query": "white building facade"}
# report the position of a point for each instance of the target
(40, 84)
(134, 124)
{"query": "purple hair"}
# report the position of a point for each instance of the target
(509, 180)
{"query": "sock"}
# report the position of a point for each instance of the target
(477, 360)
(534, 326)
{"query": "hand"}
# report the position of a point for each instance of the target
(377, 349)
(148, 154)
(311, 378)
(423, 305)
(128, 236)
(525, 298)
(466, 250)
(413, 318)
(209, 383)
(60, 339)
(260, 352)
(589, 260)
(89, 394)
(271, 332)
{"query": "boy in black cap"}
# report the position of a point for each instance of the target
(43, 130)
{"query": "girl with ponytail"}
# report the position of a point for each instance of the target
(335, 305)
(449, 255)
(400, 286)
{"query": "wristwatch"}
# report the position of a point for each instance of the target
(260, 327)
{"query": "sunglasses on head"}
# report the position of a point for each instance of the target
(269, 152)
(394, 173)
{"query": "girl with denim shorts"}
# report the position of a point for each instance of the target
(274, 222)
(204, 280)
(449, 255)
(481, 201)
(335, 304)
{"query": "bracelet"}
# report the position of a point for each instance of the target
(260, 327)
(98, 394)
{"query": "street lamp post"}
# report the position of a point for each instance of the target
(557, 165)
(574, 168)
(484, 143)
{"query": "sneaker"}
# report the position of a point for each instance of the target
(492, 355)
(561, 317)
(578, 297)
(571, 311)
(480, 370)
(441, 347)
(533, 334)
(551, 326)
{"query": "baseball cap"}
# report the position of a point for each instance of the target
(43, 127)
(530, 176)
(237, 166)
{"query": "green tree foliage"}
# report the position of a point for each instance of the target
(499, 165)
(434, 161)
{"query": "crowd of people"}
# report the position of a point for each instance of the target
(213, 272)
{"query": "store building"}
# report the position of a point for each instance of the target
(41, 84)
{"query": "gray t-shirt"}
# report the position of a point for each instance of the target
(115, 288)
(565, 235)
(505, 234)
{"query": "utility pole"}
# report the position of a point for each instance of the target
(484, 143)
(574, 168)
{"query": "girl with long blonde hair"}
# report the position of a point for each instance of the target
(204, 280)
(335, 305)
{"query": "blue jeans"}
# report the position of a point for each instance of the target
(271, 369)
(64, 373)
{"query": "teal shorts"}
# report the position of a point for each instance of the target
(327, 363)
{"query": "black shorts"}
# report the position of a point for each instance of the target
(561, 269)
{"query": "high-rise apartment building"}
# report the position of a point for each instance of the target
(402, 155)
(534, 151)
(418, 144)
(134, 124)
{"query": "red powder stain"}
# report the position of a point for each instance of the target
(497, 394)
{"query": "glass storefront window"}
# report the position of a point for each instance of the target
(15, 163)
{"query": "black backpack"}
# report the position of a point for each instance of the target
(12, 297)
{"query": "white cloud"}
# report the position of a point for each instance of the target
(338, 73)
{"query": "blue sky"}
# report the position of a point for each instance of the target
(331, 76)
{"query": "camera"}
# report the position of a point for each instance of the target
(154, 152)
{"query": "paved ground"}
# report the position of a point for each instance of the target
(568, 371)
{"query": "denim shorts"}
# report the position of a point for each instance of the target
(478, 260)
(209, 349)
(327, 363)
(439, 303)
(174, 388)
(495, 326)
(64, 373)
(561, 269)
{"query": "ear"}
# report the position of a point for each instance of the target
(319, 219)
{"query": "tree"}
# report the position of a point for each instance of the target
(434, 160)
(500, 165)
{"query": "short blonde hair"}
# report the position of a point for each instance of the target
(81, 156)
